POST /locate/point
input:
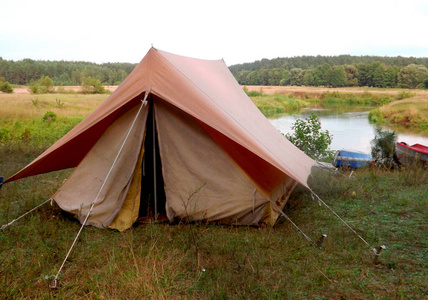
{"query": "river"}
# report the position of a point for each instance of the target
(349, 126)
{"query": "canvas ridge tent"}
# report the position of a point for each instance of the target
(180, 138)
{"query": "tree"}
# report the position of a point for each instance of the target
(351, 75)
(92, 86)
(320, 75)
(46, 84)
(378, 71)
(309, 138)
(411, 76)
(390, 76)
(335, 77)
(426, 83)
(296, 76)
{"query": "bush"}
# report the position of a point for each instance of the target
(426, 83)
(383, 146)
(5, 87)
(309, 138)
(92, 86)
(43, 85)
(49, 116)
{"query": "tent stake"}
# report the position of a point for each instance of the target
(321, 240)
(377, 254)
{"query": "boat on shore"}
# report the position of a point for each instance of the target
(351, 159)
(411, 155)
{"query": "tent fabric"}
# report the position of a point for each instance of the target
(201, 180)
(84, 185)
(214, 143)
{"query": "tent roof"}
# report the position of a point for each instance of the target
(205, 89)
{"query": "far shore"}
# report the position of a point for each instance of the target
(273, 89)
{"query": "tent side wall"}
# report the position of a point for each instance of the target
(89, 182)
(203, 182)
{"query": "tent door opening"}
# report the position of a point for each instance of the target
(153, 199)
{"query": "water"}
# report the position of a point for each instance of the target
(349, 126)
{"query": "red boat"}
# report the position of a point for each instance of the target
(410, 155)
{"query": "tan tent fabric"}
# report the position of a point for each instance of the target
(211, 136)
(202, 182)
(128, 213)
(83, 186)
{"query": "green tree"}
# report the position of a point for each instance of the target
(320, 75)
(351, 75)
(336, 76)
(390, 76)
(426, 83)
(378, 71)
(411, 76)
(92, 86)
(296, 76)
(309, 138)
(46, 84)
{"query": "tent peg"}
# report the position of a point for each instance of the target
(321, 240)
(377, 254)
(53, 284)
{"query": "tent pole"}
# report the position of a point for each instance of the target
(154, 163)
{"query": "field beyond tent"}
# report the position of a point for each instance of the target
(204, 260)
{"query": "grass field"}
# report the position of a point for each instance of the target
(205, 260)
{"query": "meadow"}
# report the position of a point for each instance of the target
(206, 260)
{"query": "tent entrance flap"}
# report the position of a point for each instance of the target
(152, 201)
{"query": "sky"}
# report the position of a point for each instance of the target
(234, 30)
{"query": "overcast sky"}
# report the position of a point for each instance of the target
(237, 31)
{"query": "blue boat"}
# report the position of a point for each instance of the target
(351, 159)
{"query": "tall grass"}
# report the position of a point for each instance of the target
(271, 105)
(408, 113)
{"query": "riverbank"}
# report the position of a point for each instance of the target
(397, 108)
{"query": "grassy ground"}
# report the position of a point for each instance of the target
(159, 260)
(409, 113)
(209, 261)
(397, 108)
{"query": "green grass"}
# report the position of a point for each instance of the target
(271, 105)
(365, 98)
(159, 260)
(409, 113)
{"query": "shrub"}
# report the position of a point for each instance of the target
(383, 146)
(92, 86)
(309, 138)
(49, 116)
(5, 87)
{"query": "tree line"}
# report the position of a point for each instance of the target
(24, 71)
(335, 71)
